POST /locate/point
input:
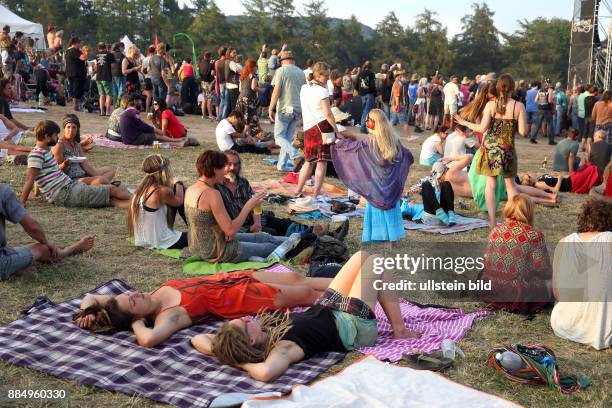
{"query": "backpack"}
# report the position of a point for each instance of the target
(542, 100)
(329, 249)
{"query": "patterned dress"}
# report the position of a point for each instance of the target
(518, 266)
(498, 152)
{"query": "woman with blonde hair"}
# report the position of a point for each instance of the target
(517, 262)
(154, 205)
(342, 319)
(130, 67)
(501, 119)
(319, 123)
(375, 167)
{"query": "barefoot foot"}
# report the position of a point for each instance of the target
(84, 245)
(406, 334)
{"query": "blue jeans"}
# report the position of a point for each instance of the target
(284, 129)
(544, 116)
(367, 102)
(400, 117)
(160, 90)
(575, 119)
(117, 88)
(224, 98)
(259, 244)
(559, 116)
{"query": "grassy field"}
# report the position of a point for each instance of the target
(112, 257)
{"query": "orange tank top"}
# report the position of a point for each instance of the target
(227, 295)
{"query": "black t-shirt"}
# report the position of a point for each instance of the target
(366, 83)
(206, 70)
(75, 67)
(5, 109)
(600, 154)
(118, 56)
(103, 67)
(315, 331)
(589, 102)
(551, 181)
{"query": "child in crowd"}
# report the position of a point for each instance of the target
(57, 187)
(157, 199)
(433, 146)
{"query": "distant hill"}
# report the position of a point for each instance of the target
(367, 31)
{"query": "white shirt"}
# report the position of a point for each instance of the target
(451, 92)
(152, 230)
(330, 88)
(307, 72)
(310, 99)
(223, 132)
(456, 145)
(237, 68)
(429, 149)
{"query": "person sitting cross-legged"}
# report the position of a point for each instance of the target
(342, 319)
(16, 261)
(58, 188)
(68, 150)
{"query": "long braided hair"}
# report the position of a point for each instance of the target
(157, 173)
(232, 346)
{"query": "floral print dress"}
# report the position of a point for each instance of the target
(498, 154)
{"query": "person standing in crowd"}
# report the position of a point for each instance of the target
(50, 35)
(531, 106)
(318, 120)
(602, 115)
(400, 100)
(451, 97)
(544, 118)
(207, 78)
(308, 70)
(420, 106)
(130, 67)
(147, 89)
(589, 103)
(581, 116)
(262, 63)
(220, 83)
(274, 62)
(232, 78)
(412, 88)
(465, 91)
(104, 79)
(521, 92)
(366, 88)
(285, 108)
(158, 68)
(75, 71)
(561, 103)
(189, 87)
(501, 119)
(347, 85)
(573, 107)
(435, 108)
(118, 86)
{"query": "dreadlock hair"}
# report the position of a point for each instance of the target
(109, 317)
(232, 346)
(505, 89)
(157, 173)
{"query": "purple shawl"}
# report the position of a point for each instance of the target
(381, 184)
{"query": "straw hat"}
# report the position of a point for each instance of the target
(465, 80)
(303, 205)
(286, 55)
(414, 77)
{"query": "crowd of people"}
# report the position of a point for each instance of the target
(471, 153)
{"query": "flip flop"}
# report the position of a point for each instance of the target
(427, 362)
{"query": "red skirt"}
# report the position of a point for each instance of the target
(584, 178)
(314, 149)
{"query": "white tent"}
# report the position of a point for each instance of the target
(28, 28)
(126, 42)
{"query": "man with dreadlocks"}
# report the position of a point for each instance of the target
(342, 319)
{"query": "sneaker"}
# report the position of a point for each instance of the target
(442, 216)
(452, 218)
(533, 141)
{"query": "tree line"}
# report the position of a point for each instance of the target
(538, 49)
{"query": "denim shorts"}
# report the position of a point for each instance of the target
(12, 260)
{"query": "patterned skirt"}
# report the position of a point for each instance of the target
(314, 149)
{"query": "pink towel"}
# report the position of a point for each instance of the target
(278, 267)
(434, 324)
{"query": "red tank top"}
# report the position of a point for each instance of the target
(227, 295)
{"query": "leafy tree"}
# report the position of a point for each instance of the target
(389, 39)
(477, 48)
(281, 12)
(430, 45)
(210, 29)
(316, 33)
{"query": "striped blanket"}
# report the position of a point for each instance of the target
(47, 340)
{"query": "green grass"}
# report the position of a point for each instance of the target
(112, 257)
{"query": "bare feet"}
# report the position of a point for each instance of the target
(84, 245)
(406, 334)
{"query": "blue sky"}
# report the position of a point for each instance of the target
(370, 12)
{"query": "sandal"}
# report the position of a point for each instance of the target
(116, 183)
(427, 362)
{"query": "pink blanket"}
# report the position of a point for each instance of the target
(103, 141)
(435, 325)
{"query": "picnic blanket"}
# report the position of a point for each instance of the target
(195, 266)
(463, 224)
(435, 324)
(28, 110)
(280, 187)
(394, 386)
(47, 340)
(103, 141)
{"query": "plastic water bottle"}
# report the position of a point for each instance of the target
(509, 360)
(41, 99)
(285, 247)
(449, 349)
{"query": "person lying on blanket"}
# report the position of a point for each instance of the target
(580, 181)
(154, 205)
(178, 304)
(342, 319)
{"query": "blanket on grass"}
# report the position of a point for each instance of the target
(27, 110)
(280, 187)
(47, 340)
(274, 161)
(435, 324)
(102, 140)
(463, 224)
(394, 387)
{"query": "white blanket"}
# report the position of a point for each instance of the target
(463, 224)
(371, 383)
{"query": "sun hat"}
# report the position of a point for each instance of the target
(339, 116)
(414, 77)
(465, 80)
(286, 55)
(303, 205)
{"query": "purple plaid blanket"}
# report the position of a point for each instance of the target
(47, 340)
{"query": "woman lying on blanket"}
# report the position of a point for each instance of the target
(69, 147)
(341, 320)
(178, 304)
(580, 182)
(157, 199)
